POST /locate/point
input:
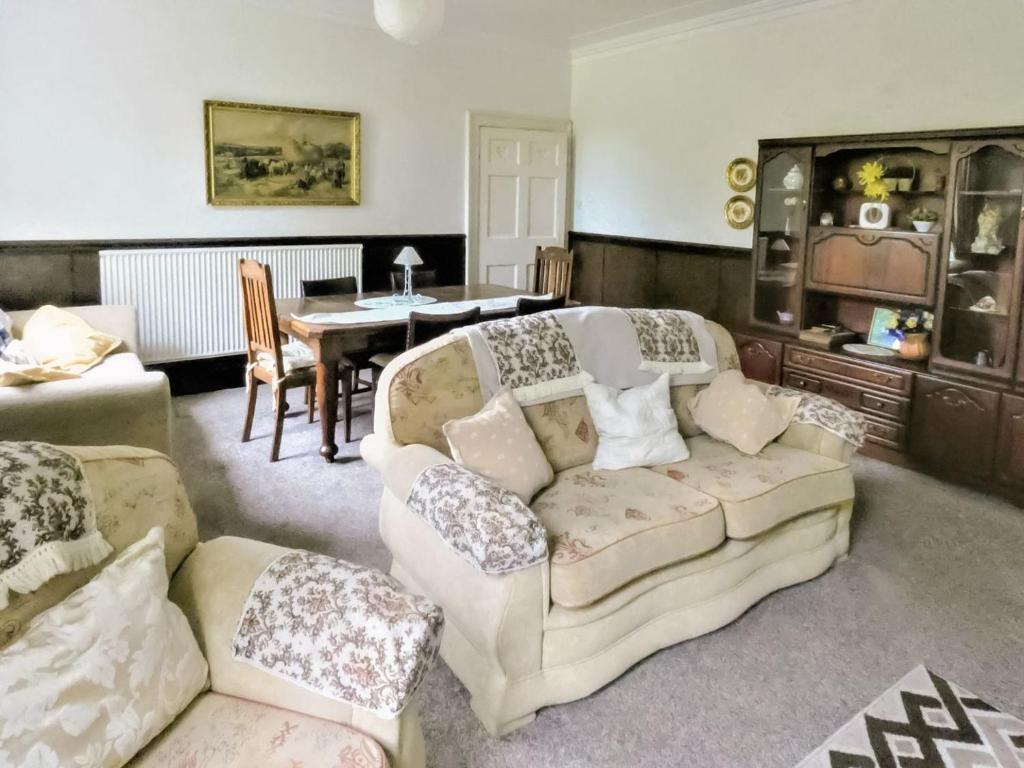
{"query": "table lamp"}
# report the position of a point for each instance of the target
(408, 258)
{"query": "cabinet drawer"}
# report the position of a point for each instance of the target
(891, 379)
(889, 407)
(849, 394)
(886, 433)
(797, 380)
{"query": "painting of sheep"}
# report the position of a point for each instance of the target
(261, 155)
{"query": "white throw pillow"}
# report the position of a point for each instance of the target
(97, 676)
(635, 427)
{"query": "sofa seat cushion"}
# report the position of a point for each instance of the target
(219, 731)
(761, 491)
(606, 528)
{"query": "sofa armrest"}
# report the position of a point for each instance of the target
(493, 622)
(808, 437)
(211, 587)
(93, 410)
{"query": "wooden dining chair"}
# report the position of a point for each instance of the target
(423, 327)
(329, 286)
(527, 306)
(269, 358)
(552, 271)
(339, 286)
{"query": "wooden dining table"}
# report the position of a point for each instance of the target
(332, 343)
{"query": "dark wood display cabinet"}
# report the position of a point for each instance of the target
(960, 414)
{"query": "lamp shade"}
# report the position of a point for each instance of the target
(408, 257)
(410, 21)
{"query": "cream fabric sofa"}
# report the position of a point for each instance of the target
(639, 559)
(117, 402)
(237, 720)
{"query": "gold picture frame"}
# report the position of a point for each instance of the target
(258, 154)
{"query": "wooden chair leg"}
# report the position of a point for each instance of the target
(250, 408)
(310, 403)
(281, 403)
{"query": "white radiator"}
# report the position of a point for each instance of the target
(189, 300)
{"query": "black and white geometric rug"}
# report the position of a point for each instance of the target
(924, 721)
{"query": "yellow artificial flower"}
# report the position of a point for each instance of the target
(876, 190)
(893, 322)
(870, 177)
(869, 172)
(928, 322)
(911, 323)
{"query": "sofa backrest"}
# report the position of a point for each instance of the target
(116, 319)
(434, 383)
(134, 489)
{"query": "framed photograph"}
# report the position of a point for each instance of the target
(881, 321)
(262, 155)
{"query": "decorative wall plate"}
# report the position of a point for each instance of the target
(739, 211)
(741, 174)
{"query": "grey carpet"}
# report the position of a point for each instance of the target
(935, 575)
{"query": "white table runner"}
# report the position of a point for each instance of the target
(391, 314)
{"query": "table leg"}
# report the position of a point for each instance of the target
(327, 399)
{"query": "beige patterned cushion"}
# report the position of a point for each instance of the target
(219, 731)
(564, 430)
(606, 528)
(738, 412)
(759, 492)
(499, 445)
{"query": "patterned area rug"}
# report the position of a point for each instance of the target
(924, 721)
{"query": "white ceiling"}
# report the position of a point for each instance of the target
(563, 24)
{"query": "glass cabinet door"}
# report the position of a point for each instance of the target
(784, 177)
(979, 300)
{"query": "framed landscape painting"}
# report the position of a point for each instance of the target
(261, 155)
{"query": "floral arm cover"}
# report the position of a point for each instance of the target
(485, 524)
(827, 414)
(345, 631)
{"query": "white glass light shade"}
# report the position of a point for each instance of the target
(408, 257)
(411, 21)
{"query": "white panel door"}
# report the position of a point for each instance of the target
(522, 201)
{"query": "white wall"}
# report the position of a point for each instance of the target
(655, 126)
(101, 124)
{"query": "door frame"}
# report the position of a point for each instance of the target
(475, 121)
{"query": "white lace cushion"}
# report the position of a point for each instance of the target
(295, 355)
(96, 677)
(635, 427)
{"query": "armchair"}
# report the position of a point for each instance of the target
(135, 489)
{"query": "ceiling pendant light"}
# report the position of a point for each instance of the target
(411, 21)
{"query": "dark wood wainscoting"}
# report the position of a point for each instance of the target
(66, 272)
(712, 280)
